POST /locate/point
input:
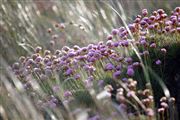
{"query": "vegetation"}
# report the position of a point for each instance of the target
(78, 70)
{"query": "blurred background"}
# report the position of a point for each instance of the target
(24, 23)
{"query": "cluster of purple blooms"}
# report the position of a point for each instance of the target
(110, 57)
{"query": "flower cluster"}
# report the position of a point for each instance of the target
(92, 64)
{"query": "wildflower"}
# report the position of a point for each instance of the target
(55, 88)
(52, 42)
(158, 62)
(153, 45)
(129, 60)
(132, 27)
(164, 105)
(109, 37)
(47, 52)
(163, 50)
(109, 66)
(144, 12)
(109, 43)
(67, 94)
(69, 71)
(77, 76)
(119, 67)
(130, 72)
(143, 42)
(62, 26)
(116, 74)
(49, 30)
(150, 112)
(16, 65)
(38, 49)
(161, 110)
(114, 31)
(51, 104)
(66, 48)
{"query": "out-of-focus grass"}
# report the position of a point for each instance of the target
(24, 23)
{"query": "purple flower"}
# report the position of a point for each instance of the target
(153, 45)
(115, 31)
(124, 79)
(92, 59)
(144, 12)
(132, 27)
(47, 52)
(69, 71)
(125, 43)
(116, 74)
(121, 29)
(118, 67)
(143, 23)
(109, 37)
(109, 66)
(130, 72)
(38, 49)
(65, 48)
(116, 44)
(151, 27)
(55, 88)
(90, 54)
(67, 94)
(109, 43)
(143, 42)
(158, 62)
(51, 104)
(77, 76)
(71, 54)
(129, 60)
(163, 50)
